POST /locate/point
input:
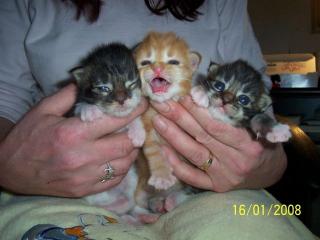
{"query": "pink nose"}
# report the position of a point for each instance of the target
(157, 70)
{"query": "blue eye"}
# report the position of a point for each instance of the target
(103, 88)
(219, 86)
(244, 100)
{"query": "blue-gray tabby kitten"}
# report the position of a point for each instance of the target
(235, 93)
(109, 83)
(108, 80)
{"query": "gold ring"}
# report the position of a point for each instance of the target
(205, 166)
(109, 173)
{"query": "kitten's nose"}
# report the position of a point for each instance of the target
(227, 97)
(121, 97)
(157, 70)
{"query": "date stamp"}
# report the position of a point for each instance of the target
(266, 210)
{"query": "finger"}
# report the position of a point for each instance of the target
(236, 137)
(175, 112)
(195, 152)
(178, 114)
(84, 189)
(106, 124)
(186, 172)
(112, 147)
(187, 122)
(121, 168)
(60, 102)
(216, 178)
(88, 170)
(87, 179)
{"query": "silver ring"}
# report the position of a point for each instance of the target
(109, 173)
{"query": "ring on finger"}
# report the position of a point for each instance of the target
(109, 173)
(206, 165)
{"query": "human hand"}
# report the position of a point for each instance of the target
(238, 161)
(48, 154)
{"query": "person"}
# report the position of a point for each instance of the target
(44, 153)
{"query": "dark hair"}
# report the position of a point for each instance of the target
(186, 10)
(88, 8)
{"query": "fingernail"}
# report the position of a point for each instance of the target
(162, 107)
(159, 123)
(167, 156)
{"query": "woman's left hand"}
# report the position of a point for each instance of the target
(238, 161)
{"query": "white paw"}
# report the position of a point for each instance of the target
(88, 112)
(137, 137)
(279, 133)
(161, 183)
(199, 96)
(136, 132)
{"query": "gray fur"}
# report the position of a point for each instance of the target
(107, 77)
(227, 84)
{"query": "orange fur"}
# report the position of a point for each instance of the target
(153, 56)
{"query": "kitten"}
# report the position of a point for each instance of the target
(234, 93)
(166, 66)
(109, 83)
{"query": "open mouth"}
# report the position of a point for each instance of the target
(159, 85)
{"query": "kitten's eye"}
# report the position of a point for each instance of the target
(145, 62)
(173, 62)
(133, 85)
(244, 100)
(219, 86)
(103, 88)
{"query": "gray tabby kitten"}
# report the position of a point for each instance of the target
(109, 83)
(235, 93)
(108, 80)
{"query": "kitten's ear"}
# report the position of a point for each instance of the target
(264, 102)
(213, 67)
(195, 59)
(78, 73)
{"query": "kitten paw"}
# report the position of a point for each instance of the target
(279, 133)
(174, 199)
(157, 205)
(88, 112)
(148, 218)
(199, 96)
(170, 203)
(137, 136)
(136, 132)
(162, 182)
(163, 204)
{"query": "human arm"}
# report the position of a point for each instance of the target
(48, 154)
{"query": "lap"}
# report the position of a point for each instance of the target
(204, 216)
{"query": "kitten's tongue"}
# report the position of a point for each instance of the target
(159, 85)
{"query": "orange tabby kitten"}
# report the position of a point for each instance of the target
(166, 66)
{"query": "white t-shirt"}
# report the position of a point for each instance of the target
(40, 41)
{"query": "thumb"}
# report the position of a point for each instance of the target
(60, 102)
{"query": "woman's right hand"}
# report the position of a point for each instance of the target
(48, 154)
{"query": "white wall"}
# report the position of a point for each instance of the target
(284, 26)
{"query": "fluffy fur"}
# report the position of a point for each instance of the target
(166, 66)
(108, 79)
(109, 83)
(234, 93)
